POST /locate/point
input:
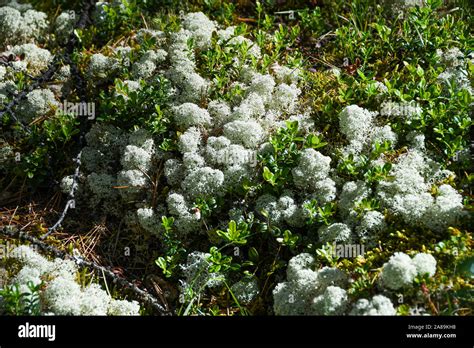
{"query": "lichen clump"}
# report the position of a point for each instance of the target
(60, 293)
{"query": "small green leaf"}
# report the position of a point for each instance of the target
(419, 71)
(361, 74)
(253, 254)
(292, 125)
(268, 175)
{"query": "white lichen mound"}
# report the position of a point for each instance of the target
(201, 28)
(400, 270)
(116, 166)
(247, 133)
(246, 290)
(35, 60)
(135, 157)
(189, 114)
(362, 132)
(101, 67)
(60, 294)
(308, 291)
(197, 276)
(203, 182)
(400, 7)
(455, 72)
(337, 232)
(352, 194)
(39, 102)
(332, 302)
(64, 25)
(408, 193)
(17, 27)
(425, 264)
(186, 220)
(311, 175)
(378, 305)
(355, 122)
(283, 209)
(149, 220)
(372, 224)
(148, 63)
(447, 209)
